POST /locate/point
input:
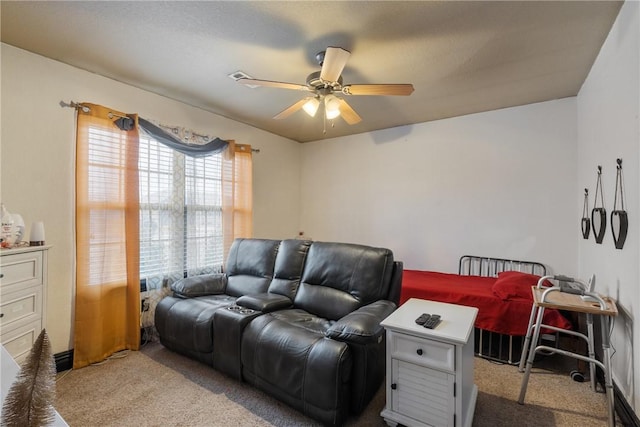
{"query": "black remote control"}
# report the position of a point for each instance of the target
(423, 318)
(433, 321)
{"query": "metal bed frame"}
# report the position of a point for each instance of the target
(487, 341)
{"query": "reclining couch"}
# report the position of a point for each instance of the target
(299, 320)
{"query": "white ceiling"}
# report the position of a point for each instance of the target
(461, 57)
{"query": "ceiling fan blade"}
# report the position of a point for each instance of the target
(335, 58)
(381, 89)
(271, 83)
(348, 114)
(290, 110)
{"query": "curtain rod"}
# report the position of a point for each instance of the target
(77, 106)
(84, 108)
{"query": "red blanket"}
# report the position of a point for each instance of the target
(506, 316)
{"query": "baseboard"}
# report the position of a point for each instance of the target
(625, 413)
(64, 360)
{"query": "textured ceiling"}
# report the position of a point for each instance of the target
(461, 57)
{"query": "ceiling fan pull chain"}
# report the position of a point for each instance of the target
(599, 212)
(621, 214)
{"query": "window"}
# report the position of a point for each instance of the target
(146, 215)
(180, 214)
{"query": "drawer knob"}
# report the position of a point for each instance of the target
(1, 275)
(1, 314)
(419, 351)
(394, 386)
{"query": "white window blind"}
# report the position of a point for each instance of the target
(180, 214)
(180, 209)
(106, 155)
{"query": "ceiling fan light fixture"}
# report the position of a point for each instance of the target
(331, 106)
(311, 106)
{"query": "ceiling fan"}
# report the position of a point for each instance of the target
(325, 84)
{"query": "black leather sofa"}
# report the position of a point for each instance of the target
(300, 320)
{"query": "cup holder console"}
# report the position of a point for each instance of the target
(228, 325)
(241, 310)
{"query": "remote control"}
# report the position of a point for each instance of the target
(433, 321)
(423, 318)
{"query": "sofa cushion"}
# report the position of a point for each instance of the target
(339, 278)
(186, 324)
(286, 354)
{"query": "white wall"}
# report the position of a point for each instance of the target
(37, 163)
(609, 128)
(500, 184)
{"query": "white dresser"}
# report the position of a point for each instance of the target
(23, 291)
(430, 371)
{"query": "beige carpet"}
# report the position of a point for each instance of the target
(156, 387)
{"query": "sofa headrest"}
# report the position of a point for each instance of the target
(253, 257)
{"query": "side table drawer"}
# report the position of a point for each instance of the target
(19, 305)
(423, 352)
(20, 270)
(18, 342)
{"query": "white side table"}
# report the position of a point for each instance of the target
(430, 371)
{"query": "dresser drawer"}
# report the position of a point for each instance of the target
(19, 341)
(20, 305)
(20, 270)
(423, 352)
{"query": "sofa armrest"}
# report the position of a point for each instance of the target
(266, 302)
(197, 286)
(362, 326)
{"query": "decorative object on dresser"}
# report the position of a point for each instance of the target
(36, 238)
(430, 371)
(23, 292)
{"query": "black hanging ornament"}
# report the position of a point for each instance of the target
(600, 212)
(620, 214)
(586, 222)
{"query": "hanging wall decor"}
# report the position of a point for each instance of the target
(599, 213)
(619, 219)
(586, 222)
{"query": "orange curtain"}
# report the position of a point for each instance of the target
(107, 302)
(237, 193)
